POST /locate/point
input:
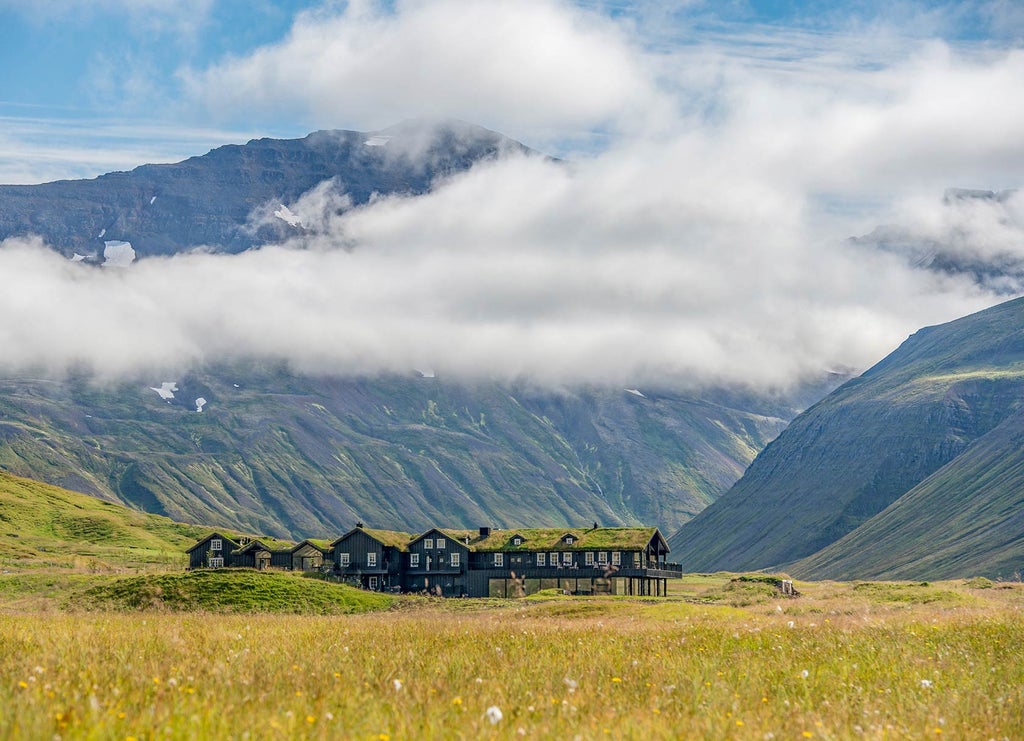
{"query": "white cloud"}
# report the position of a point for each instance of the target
(531, 65)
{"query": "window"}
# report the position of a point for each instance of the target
(602, 558)
(373, 583)
(569, 540)
(567, 558)
(588, 558)
(499, 559)
(542, 559)
(428, 543)
(414, 560)
(216, 544)
(636, 558)
(517, 541)
(346, 559)
(371, 558)
(440, 543)
(455, 558)
(616, 558)
(216, 562)
(553, 559)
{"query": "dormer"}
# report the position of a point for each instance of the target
(568, 539)
(516, 540)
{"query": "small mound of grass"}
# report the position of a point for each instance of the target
(920, 593)
(233, 591)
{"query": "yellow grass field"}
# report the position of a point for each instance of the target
(718, 660)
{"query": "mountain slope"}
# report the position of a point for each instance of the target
(292, 455)
(44, 525)
(863, 447)
(966, 519)
(210, 201)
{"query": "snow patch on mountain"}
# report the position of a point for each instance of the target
(635, 392)
(118, 254)
(287, 215)
(377, 141)
(166, 390)
(200, 403)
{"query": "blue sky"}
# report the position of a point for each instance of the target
(90, 85)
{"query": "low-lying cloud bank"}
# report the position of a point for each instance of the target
(704, 240)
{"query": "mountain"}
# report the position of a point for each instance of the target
(917, 463)
(215, 201)
(298, 456)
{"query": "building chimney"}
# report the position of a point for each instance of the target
(485, 532)
(359, 525)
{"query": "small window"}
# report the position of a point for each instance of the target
(499, 559)
(371, 559)
(216, 562)
(542, 559)
(346, 559)
(602, 557)
(414, 559)
(553, 559)
(440, 543)
(455, 558)
(616, 558)
(373, 583)
(428, 543)
(588, 558)
(216, 544)
(566, 557)
(569, 540)
(517, 541)
(636, 558)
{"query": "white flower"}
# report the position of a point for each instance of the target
(397, 684)
(494, 714)
(572, 684)
(805, 674)
(926, 683)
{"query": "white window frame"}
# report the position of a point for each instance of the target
(440, 543)
(345, 559)
(567, 558)
(499, 559)
(428, 544)
(414, 560)
(553, 559)
(216, 562)
(517, 541)
(588, 558)
(616, 558)
(216, 544)
(602, 558)
(371, 558)
(542, 559)
(373, 583)
(569, 540)
(637, 560)
(456, 561)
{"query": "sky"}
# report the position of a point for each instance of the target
(717, 157)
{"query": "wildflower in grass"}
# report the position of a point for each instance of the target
(494, 714)
(926, 683)
(456, 700)
(572, 684)
(23, 684)
(397, 684)
(616, 679)
(804, 674)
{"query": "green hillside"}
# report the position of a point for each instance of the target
(295, 456)
(965, 519)
(45, 526)
(936, 398)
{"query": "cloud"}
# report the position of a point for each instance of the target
(530, 65)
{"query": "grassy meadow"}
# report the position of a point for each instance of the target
(718, 659)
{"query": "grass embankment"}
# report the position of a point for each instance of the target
(839, 662)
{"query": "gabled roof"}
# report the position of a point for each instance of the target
(394, 538)
(321, 545)
(584, 539)
(202, 541)
(258, 544)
